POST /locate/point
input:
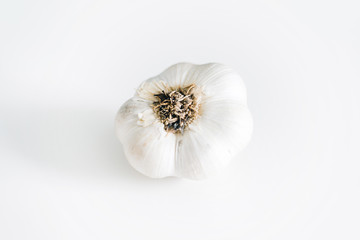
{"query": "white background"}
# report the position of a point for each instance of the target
(67, 66)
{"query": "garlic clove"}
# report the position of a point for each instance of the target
(212, 141)
(149, 149)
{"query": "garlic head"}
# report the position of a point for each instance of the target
(188, 122)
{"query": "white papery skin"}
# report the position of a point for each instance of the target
(207, 145)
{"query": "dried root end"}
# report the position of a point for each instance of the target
(178, 108)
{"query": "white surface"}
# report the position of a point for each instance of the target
(67, 66)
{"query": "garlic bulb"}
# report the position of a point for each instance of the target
(188, 122)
